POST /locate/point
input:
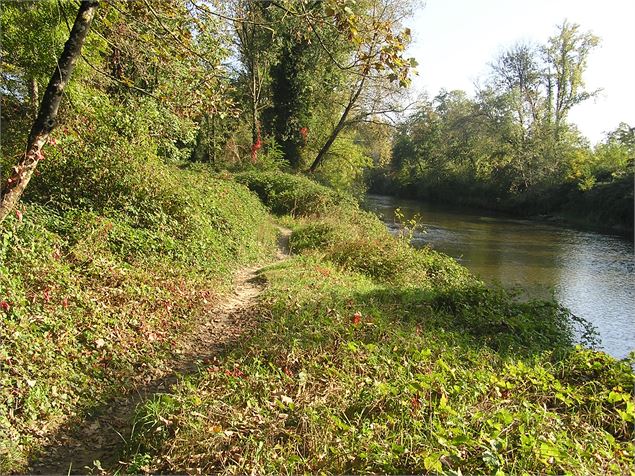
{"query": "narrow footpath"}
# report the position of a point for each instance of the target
(102, 435)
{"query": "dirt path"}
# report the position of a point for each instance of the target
(101, 435)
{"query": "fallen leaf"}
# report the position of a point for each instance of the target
(357, 318)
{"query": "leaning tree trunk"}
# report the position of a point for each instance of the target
(338, 128)
(45, 121)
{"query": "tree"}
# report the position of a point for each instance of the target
(566, 55)
(531, 91)
(47, 115)
(257, 50)
(26, 50)
(378, 55)
(295, 94)
(517, 72)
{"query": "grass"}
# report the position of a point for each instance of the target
(342, 379)
(371, 357)
(94, 296)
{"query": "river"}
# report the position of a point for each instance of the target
(592, 274)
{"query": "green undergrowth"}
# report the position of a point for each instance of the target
(371, 357)
(295, 195)
(349, 376)
(98, 284)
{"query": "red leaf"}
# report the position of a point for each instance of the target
(357, 318)
(4, 305)
(18, 214)
(256, 147)
(234, 373)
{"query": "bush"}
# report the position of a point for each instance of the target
(360, 242)
(291, 194)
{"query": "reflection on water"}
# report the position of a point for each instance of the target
(590, 273)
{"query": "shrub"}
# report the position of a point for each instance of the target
(360, 242)
(291, 194)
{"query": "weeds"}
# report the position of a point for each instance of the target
(338, 381)
(375, 358)
(94, 300)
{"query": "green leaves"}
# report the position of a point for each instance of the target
(92, 295)
(433, 463)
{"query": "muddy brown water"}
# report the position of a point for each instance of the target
(590, 273)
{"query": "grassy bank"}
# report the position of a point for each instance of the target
(374, 357)
(97, 285)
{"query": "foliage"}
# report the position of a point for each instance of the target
(353, 373)
(344, 168)
(358, 245)
(33, 34)
(293, 194)
(511, 147)
(114, 255)
(295, 95)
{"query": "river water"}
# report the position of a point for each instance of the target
(592, 274)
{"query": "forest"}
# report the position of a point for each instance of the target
(188, 280)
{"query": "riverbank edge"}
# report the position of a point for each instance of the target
(373, 357)
(359, 342)
(562, 218)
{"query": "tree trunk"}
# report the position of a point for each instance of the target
(329, 142)
(255, 127)
(34, 97)
(213, 156)
(338, 128)
(45, 121)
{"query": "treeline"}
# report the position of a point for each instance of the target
(511, 147)
(304, 87)
(235, 84)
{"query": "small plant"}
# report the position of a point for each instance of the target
(409, 227)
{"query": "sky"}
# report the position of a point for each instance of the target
(455, 40)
